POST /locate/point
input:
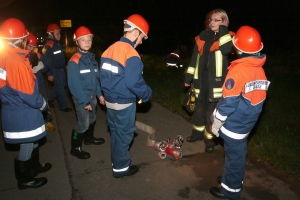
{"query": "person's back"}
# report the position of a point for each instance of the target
(122, 83)
(22, 120)
(121, 87)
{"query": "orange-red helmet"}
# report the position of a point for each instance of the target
(31, 39)
(82, 31)
(52, 28)
(139, 22)
(247, 40)
(13, 28)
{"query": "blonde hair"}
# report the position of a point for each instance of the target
(222, 13)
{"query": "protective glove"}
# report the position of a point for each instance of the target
(37, 68)
(217, 124)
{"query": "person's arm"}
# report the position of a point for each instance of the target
(191, 68)
(74, 84)
(134, 79)
(225, 41)
(228, 103)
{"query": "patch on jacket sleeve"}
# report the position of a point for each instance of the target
(229, 84)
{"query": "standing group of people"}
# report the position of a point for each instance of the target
(228, 99)
(24, 96)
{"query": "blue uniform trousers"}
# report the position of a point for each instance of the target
(233, 175)
(122, 126)
(59, 88)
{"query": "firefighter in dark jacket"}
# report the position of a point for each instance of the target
(206, 71)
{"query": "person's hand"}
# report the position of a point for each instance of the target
(187, 85)
(224, 22)
(102, 100)
(89, 108)
(217, 124)
(51, 78)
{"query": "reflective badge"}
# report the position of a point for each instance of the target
(229, 84)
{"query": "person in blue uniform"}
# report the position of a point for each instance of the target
(39, 69)
(122, 83)
(243, 96)
(84, 85)
(54, 58)
(22, 104)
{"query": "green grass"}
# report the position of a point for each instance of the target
(275, 138)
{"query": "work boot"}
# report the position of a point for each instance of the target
(196, 135)
(49, 126)
(133, 169)
(23, 173)
(76, 146)
(210, 145)
(89, 136)
(37, 167)
(215, 191)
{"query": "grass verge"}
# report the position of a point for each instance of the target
(275, 138)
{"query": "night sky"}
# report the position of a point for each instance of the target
(172, 22)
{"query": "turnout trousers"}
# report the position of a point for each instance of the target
(122, 126)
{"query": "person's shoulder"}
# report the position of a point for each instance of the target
(205, 34)
(75, 58)
(49, 43)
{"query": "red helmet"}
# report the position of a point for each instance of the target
(139, 22)
(247, 40)
(13, 28)
(82, 31)
(52, 28)
(31, 39)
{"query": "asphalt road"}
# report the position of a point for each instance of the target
(190, 177)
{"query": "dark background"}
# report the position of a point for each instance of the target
(172, 22)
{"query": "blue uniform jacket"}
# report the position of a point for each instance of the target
(53, 53)
(40, 74)
(121, 72)
(83, 77)
(244, 92)
(22, 120)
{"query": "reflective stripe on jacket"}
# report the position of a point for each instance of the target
(244, 92)
(212, 59)
(22, 120)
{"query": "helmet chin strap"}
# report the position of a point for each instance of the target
(134, 42)
(52, 34)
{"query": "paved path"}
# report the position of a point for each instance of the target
(168, 179)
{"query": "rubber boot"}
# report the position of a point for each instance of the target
(196, 135)
(37, 167)
(23, 173)
(89, 136)
(76, 146)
